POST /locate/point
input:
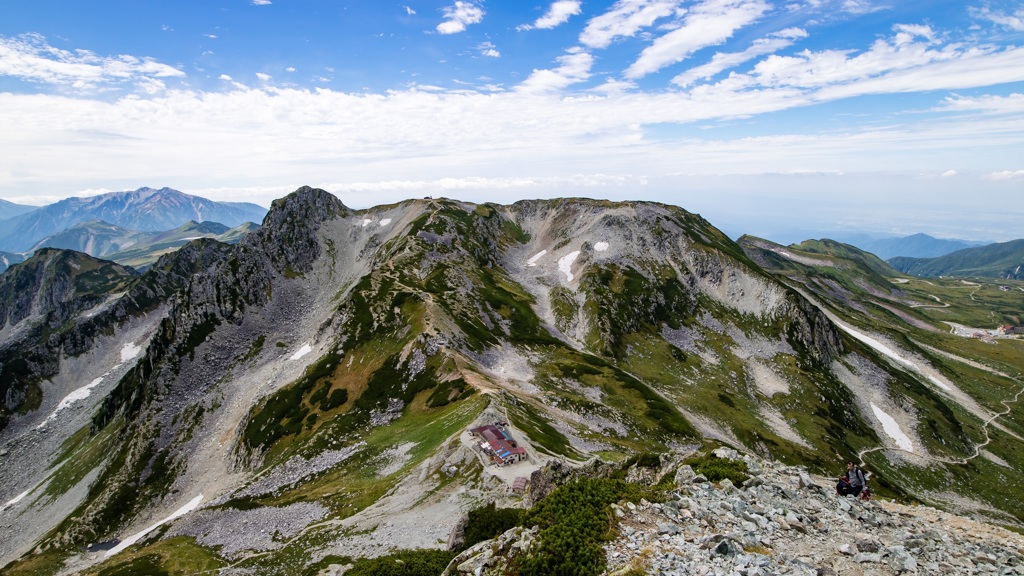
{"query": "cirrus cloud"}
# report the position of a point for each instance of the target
(30, 57)
(557, 14)
(460, 15)
(709, 23)
(625, 19)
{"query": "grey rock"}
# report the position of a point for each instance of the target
(865, 545)
(685, 475)
(727, 548)
(726, 453)
(901, 561)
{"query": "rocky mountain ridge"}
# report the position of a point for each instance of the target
(334, 359)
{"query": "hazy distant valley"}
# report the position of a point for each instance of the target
(193, 393)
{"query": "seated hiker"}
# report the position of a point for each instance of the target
(852, 482)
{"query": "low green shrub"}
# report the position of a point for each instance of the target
(716, 469)
(487, 522)
(403, 563)
(574, 520)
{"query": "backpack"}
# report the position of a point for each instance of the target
(865, 492)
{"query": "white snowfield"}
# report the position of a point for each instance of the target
(192, 505)
(306, 349)
(565, 264)
(385, 222)
(15, 500)
(533, 259)
(891, 354)
(601, 246)
(128, 352)
(893, 429)
(366, 222)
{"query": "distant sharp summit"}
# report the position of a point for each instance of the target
(145, 209)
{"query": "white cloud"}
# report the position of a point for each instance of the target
(906, 33)
(29, 57)
(614, 86)
(706, 24)
(460, 15)
(575, 68)
(290, 69)
(211, 36)
(1005, 175)
(877, 69)
(409, 11)
(225, 77)
(488, 49)
(260, 2)
(558, 13)
(1014, 21)
(625, 19)
(859, 7)
(726, 60)
(1010, 104)
(263, 77)
(948, 174)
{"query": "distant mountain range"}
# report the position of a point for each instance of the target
(915, 245)
(145, 209)
(1001, 260)
(10, 209)
(9, 258)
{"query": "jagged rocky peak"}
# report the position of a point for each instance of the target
(56, 283)
(289, 231)
(314, 204)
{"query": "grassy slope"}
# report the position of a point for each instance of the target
(947, 429)
(992, 261)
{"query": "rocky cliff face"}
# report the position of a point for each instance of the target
(322, 373)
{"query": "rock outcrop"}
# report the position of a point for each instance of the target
(782, 520)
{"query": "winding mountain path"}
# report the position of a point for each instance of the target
(977, 448)
(985, 426)
(911, 363)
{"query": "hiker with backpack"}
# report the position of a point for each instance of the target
(853, 482)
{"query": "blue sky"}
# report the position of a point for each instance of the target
(769, 117)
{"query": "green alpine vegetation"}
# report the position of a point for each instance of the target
(311, 389)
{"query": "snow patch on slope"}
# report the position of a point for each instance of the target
(892, 429)
(190, 506)
(385, 222)
(306, 349)
(533, 259)
(601, 246)
(889, 352)
(565, 264)
(15, 500)
(130, 351)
